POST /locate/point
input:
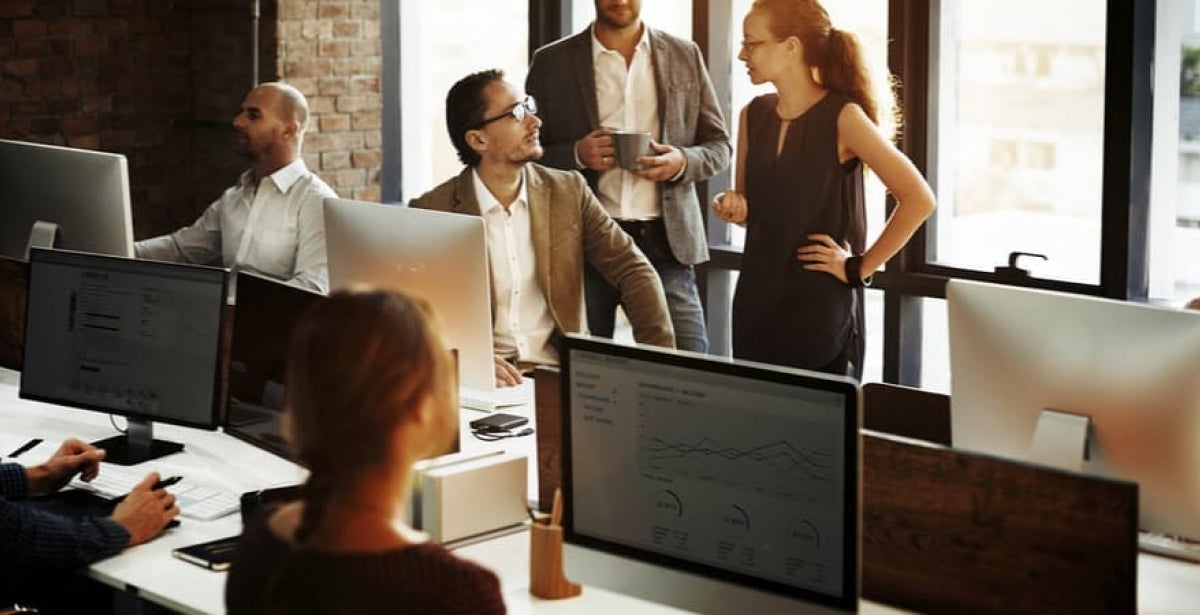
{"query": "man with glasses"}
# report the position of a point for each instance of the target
(542, 225)
(621, 74)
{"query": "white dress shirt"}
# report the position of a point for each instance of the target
(276, 228)
(627, 99)
(521, 321)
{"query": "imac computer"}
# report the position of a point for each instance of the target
(436, 255)
(135, 338)
(712, 485)
(54, 196)
(264, 314)
(1103, 386)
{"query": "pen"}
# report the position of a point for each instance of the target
(25, 447)
(556, 508)
(166, 482)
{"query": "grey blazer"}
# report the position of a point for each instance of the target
(563, 80)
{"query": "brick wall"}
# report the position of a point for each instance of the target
(160, 80)
(330, 50)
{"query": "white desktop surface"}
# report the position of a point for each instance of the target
(1165, 586)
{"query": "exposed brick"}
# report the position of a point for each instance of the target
(79, 125)
(366, 11)
(373, 140)
(365, 48)
(334, 48)
(21, 68)
(356, 103)
(348, 177)
(25, 28)
(333, 85)
(88, 45)
(335, 160)
(89, 8)
(364, 85)
(331, 10)
(318, 105)
(312, 160)
(367, 193)
(366, 159)
(16, 8)
(314, 67)
(85, 142)
(111, 27)
(316, 29)
(334, 123)
(367, 120)
(347, 29)
(36, 48)
(317, 143)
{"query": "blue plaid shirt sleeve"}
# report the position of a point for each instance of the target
(31, 537)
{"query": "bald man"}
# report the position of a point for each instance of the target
(271, 221)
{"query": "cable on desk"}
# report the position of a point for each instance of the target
(492, 434)
(113, 420)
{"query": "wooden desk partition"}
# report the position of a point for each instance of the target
(947, 531)
(908, 412)
(547, 401)
(14, 287)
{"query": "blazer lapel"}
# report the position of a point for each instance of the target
(658, 58)
(585, 74)
(465, 201)
(539, 229)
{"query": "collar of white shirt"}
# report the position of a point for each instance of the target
(599, 48)
(487, 201)
(283, 179)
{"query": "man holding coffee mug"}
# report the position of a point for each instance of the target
(621, 88)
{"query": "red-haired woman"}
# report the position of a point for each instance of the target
(799, 191)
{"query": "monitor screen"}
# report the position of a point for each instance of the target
(436, 255)
(266, 310)
(135, 338)
(742, 478)
(84, 192)
(1132, 369)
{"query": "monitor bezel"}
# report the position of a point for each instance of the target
(852, 415)
(215, 418)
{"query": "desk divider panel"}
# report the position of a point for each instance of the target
(950, 531)
(547, 402)
(14, 287)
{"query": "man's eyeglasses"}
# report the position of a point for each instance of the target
(524, 108)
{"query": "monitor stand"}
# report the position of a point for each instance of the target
(42, 235)
(136, 445)
(1060, 440)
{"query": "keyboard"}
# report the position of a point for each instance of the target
(1169, 546)
(195, 501)
(498, 397)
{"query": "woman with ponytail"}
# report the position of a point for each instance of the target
(799, 192)
(371, 389)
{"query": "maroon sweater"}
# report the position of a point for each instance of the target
(417, 579)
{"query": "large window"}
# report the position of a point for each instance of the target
(1020, 131)
(1175, 206)
(431, 61)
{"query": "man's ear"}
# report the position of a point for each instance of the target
(291, 130)
(476, 140)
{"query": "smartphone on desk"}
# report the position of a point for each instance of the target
(214, 554)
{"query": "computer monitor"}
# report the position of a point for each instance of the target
(139, 339)
(1020, 358)
(436, 255)
(266, 310)
(63, 197)
(708, 484)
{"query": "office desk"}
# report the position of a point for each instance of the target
(1164, 586)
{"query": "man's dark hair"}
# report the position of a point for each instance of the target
(465, 106)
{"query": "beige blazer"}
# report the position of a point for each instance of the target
(570, 227)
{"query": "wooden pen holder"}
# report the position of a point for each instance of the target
(546, 578)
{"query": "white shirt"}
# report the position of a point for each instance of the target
(276, 228)
(521, 321)
(627, 99)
